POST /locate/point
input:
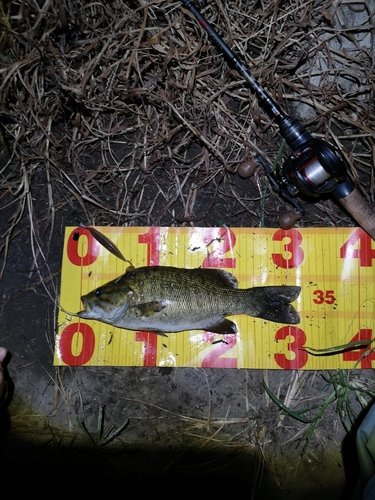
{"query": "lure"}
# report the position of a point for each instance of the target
(106, 243)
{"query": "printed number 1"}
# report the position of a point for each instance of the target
(152, 240)
(150, 347)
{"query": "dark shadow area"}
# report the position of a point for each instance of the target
(351, 459)
(89, 470)
(351, 466)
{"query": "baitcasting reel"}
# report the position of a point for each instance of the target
(314, 167)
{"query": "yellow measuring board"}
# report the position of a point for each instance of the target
(334, 267)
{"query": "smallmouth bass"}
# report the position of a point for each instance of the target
(169, 299)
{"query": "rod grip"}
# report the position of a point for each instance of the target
(360, 210)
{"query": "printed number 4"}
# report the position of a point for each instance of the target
(365, 357)
(364, 251)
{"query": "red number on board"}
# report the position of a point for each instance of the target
(322, 297)
(358, 354)
(221, 240)
(150, 346)
(212, 359)
(75, 248)
(292, 247)
(299, 356)
(72, 335)
(152, 240)
(364, 251)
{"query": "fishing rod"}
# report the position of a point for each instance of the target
(314, 167)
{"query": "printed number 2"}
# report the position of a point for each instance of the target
(221, 240)
(213, 359)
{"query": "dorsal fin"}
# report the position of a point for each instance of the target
(218, 277)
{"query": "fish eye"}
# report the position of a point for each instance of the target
(98, 292)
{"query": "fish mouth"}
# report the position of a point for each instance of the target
(88, 309)
(107, 315)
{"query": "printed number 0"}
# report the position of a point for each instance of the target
(81, 333)
(300, 356)
(74, 248)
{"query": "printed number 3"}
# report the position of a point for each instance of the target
(294, 253)
(299, 355)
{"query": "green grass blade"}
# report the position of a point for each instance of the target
(294, 414)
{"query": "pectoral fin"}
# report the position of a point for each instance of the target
(147, 309)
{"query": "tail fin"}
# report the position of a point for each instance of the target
(274, 303)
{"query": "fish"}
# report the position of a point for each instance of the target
(165, 299)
